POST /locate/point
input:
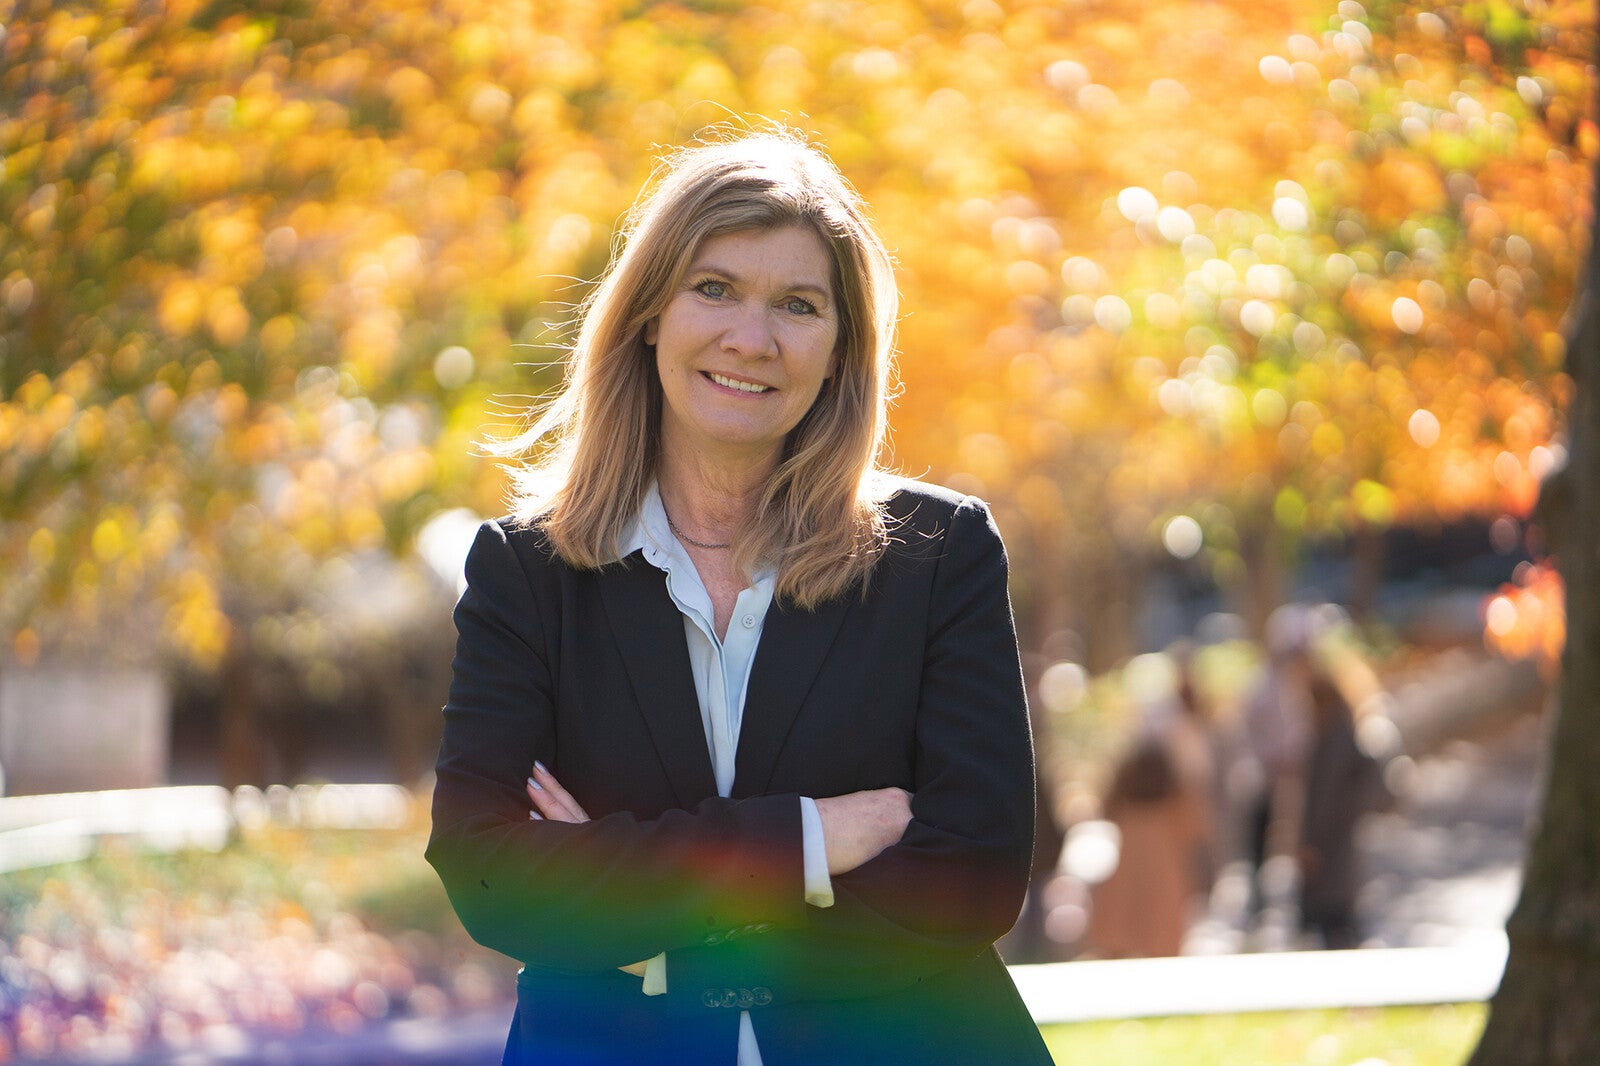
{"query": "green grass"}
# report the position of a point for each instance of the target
(1395, 1036)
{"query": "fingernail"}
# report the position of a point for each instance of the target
(535, 785)
(539, 766)
(536, 816)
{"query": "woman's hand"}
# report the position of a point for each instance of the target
(553, 803)
(550, 800)
(858, 825)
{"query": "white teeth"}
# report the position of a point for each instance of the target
(742, 386)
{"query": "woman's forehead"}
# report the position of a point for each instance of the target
(796, 250)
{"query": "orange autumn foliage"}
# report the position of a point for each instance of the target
(265, 269)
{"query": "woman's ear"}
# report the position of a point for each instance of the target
(652, 330)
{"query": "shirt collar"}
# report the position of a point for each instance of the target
(651, 533)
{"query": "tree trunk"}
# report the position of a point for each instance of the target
(1547, 1011)
(242, 756)
(1265, 583)
(1367, 558)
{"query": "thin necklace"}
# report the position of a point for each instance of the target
(690, 540)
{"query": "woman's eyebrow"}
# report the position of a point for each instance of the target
(809, 287)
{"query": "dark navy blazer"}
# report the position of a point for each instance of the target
(915, 684)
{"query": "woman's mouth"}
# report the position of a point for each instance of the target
(736, 384)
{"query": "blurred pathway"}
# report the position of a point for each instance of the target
(1444, 867)
(1444, 873)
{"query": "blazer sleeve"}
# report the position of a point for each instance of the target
(590, 897)
(955, 882)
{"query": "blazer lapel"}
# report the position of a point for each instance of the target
(794, 644)
(648, 630)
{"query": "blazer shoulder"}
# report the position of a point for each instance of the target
(925, 508)
(529, 544)
(929, 522)
(510, 538)
(522, 533)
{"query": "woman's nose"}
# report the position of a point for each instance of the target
(749, 333)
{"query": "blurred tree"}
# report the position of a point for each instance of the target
(1355, 324)
(1269, 285)
(246, 269)
(1547, 1010)
(264, 266)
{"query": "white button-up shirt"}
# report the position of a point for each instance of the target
(721, 668)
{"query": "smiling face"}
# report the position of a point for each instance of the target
(744, 344)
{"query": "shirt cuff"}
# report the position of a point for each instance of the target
(655, 976)
(819, 886)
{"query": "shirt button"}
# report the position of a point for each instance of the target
(748, 621)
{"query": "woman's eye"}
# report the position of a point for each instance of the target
(796, 306)
(716, 290)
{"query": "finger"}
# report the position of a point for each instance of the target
(544, 779)
(545, 805)
(548, 805)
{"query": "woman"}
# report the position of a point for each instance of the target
(781, 795)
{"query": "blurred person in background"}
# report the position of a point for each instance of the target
(1144, 908)
(781, 776)
(1161, 801)
(1192, 739)
(1276, 717)
(1342, 783)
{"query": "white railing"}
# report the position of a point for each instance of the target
(1272, 981)
(63, 827)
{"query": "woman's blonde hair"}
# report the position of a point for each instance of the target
(585, 464)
